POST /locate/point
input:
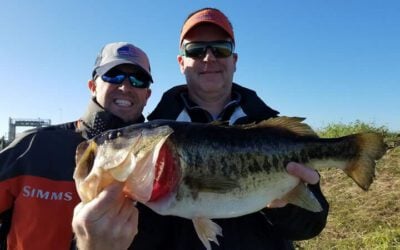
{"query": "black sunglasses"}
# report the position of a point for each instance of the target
(220, 49)
(118, 77)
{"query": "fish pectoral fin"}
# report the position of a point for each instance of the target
(302, 196)
(207, 230)
(213, 184)
(84, 158)
(220, 123)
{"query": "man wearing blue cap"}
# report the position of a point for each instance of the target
(37, 192)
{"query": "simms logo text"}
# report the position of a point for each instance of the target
(29, 191)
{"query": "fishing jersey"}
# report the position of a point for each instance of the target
(36, 185)
(37, 190)
(268, 229)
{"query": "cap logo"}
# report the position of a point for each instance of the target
(208, 16)
(126, 51)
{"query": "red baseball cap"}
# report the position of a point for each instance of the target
(207, 15)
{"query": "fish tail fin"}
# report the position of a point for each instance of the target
(302, 196)
(362, 169)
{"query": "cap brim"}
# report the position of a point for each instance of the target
(107, 66)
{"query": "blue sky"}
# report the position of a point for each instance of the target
(328, 61)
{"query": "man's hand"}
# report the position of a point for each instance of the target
(306, 174)
(107, 222)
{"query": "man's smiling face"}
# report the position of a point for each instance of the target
(122, 100)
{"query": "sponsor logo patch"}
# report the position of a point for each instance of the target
(31, 192)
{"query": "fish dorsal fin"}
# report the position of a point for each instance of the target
(293, 124)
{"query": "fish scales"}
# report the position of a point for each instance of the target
(222, 153)
(205, 171)
(218, 158)
(207, 146)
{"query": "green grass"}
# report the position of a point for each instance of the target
(359, 219)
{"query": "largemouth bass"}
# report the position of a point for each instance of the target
(206, 171)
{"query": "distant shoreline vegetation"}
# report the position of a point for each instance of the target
(341, 129)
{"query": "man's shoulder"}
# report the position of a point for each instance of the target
(52, 132)
(174, 92)
(48, 152)
(243, 90)
(253, 106)
(170, 104)
(56, 130)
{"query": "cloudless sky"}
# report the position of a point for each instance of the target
(329, 61)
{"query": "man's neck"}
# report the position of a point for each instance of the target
(214, 104)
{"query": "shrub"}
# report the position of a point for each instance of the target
(340, 129)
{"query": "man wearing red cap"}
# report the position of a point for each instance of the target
(208, 61)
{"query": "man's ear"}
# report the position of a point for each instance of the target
(235, 58)
(181, 63)
(148, 95)
(92, 87)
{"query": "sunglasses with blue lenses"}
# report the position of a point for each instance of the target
(118, 77)
(220, 49)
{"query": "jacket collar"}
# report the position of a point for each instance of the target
(171, 104)
(97, 120)
(199, 114)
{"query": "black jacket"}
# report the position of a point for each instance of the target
(267, 229)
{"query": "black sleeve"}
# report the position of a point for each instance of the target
(295, 223)
(5, 222)
(170, 104)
